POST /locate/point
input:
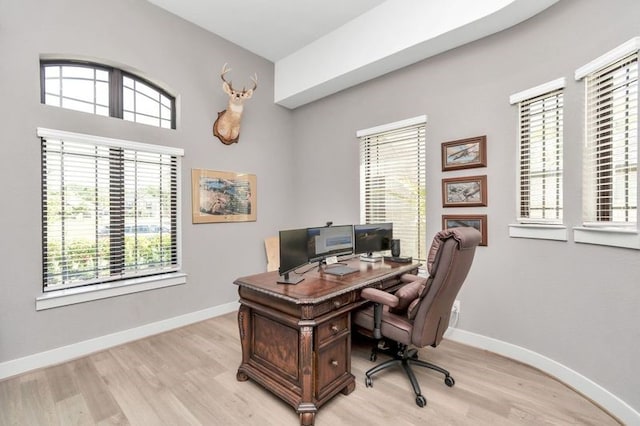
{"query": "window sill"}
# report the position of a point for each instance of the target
(540, 231)
(70, 296)
(614, 237)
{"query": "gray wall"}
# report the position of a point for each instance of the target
(188, 60)
(576, 304)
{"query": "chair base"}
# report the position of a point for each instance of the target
(405, 358)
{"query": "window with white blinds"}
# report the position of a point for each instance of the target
(540, 168)
(611, 151)
(392, 181)
(109, 209)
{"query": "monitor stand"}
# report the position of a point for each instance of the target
(371, 257)
(286, 279)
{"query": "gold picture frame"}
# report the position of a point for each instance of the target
(477, 221)
(464, 153)
(223, 196)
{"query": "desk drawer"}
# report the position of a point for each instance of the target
(333, 327)
(332, 363)
(335, 303)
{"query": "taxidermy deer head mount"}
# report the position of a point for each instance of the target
(227, 125)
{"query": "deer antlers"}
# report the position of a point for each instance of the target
(226, 69)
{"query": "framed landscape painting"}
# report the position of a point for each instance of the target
(464, 153)
(223, 196)
(477, 221)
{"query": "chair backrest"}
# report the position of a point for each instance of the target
(450, 259)
(272, 247)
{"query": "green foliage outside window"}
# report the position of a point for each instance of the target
(80, 255)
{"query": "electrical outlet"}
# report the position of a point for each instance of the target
(456, 307)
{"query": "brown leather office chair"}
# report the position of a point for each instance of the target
(417, 314)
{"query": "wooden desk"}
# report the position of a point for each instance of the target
(296, 339)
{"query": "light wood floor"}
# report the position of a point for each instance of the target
(188, 376)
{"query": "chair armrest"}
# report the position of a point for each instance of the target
(379, 296)
(409, 278)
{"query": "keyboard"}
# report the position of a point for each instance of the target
(398, 259)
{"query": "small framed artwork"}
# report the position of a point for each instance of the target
(464, 153)
(223, 196)
(477, 221)
(467, 191)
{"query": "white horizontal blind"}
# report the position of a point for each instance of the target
(108, 212)
(540, 171)
(392, 184)
(611, 152)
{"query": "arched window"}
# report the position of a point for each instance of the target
(104, 90)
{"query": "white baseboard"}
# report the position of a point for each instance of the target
(614, 405)
(76, 350)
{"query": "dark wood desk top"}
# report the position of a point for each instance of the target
(318, 286)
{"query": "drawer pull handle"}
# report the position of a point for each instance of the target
(334, 328)
(334, 363)
(336, 304)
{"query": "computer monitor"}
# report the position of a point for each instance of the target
(328, 241)
(293, 254)
(372, 237)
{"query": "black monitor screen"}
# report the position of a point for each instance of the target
(293, 250)
(329, 241)
(372, 237)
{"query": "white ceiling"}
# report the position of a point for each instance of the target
(269, 28)
(320, 47)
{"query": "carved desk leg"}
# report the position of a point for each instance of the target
(307, 408)
(307, 419)
(352, 385)
(243, 326)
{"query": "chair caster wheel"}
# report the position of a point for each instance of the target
(368, 382)
(421, 401)
(449, 381)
